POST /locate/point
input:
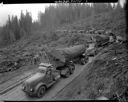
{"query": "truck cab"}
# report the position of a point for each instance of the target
(45, 77)
(91, 50)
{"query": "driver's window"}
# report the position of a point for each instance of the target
(57, 59)
(48, 72)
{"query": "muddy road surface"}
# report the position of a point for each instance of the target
(17, 94)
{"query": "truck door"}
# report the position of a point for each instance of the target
(49, 78)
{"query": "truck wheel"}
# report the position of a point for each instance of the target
(95, 52)
(83, 61)
(87, 59)
(67, 74)
(72, 68)
(41, 91)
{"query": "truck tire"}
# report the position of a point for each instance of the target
(95, 53)
(67, 74)
(41, 91)
(72, 68)
(83, 61)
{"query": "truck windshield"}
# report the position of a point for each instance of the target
(42, 69)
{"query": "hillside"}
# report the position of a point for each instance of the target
(39, 39)
(104, 21)
(116, 21)
(106, 76)
(103, 74)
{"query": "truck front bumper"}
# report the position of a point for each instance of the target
(29, 92)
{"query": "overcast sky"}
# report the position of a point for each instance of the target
(15, 9)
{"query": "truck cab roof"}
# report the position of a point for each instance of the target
(45, 64)
(44, 67)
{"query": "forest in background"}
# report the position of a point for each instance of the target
(53, 17)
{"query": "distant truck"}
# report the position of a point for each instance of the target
(91, 51)
(102, 40)
(120, 39)
(91, 31)
(100, 32)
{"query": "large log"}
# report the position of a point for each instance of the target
(61, 55)
(72, 52)
(101, 40)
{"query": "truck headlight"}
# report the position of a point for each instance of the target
(31, 90)
(23, 87)
(71, 61)
(83, 54)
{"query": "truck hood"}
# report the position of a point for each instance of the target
(34, 79)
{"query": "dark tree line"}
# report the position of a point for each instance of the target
(16, 28)
(68, 13)
(54, 16)
(60, 14)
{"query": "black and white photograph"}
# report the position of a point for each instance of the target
(64, 51)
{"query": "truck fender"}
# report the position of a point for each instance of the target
(40, 84)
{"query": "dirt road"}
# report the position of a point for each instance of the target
(17, 94)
